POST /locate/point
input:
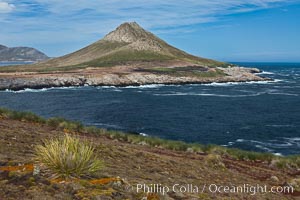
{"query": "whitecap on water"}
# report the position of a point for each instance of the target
(209, 94)
(104, 125)
(221, 84)
(146, 86)
(264, 148)
(295, 141)
(280, 125)
(144, 134)
(266, 73)
(29, 90)
(105, 87)
(242, 83)
(43, 89)
(274, 144)
(282, 93)
(270, 144)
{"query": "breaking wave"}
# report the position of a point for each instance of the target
(266, 73)
(242, 83)
(43, 89)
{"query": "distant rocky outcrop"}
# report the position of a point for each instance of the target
(2, 47)
(21, 54)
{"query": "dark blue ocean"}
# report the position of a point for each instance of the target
(259, 116)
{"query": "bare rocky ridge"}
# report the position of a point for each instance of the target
(128, 55)
(128, 32)
(138, 38)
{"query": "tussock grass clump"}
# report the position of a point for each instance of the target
(68, 157)
(288, 162)
(214, 161)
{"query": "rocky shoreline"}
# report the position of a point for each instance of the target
(39, 81)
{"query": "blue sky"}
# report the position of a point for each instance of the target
(227, 30)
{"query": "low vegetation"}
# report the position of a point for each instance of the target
(123, 57)
(22, 116)
(292, 162)
(189, 71)
(68, 157)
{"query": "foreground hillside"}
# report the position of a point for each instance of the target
(130, 160)
(128, 55)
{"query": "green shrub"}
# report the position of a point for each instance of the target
(250, 155)
(62, 123)
(214, 149)
(3, 111)
(92, 130)
(72, 126)
(22, 116)
(175, 145)
(197, 147)
(68, 157)
(54, 122)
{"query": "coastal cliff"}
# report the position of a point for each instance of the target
(21, 81)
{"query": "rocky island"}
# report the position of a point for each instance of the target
(128, 55)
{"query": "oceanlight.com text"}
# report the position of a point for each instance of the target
(213, 188)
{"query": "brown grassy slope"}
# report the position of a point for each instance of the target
(133, 163)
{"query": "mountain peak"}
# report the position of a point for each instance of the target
(128, 44)
(127, 32)
(131, 24)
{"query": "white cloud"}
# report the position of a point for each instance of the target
(99, 17)
(6, 7)
(68, 21)
(151, 14)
